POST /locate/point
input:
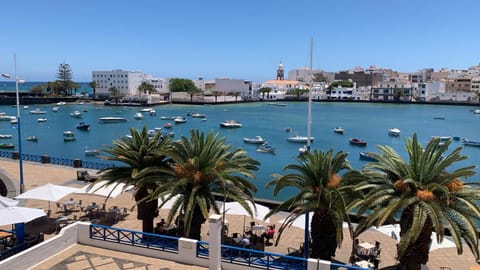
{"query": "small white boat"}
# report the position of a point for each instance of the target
(477, 111)
(167, 117)
(91, 152)
(230, 124)
(279, 104)
(25, 107)
(61, 103)
(256, 140)
(198, 115)
(111, 119)
(394, 132)
(76, 114)
(168, 125)
(153, 112)
(14, 120)
(68, 136)
(470, 143)
(5, 136)
(179, 120)
(152, 132)
(42, 119)
(32, 138)
(55, 109)
(266, 148)
(4, 117)
(146, 110)
(299, 139)
(442, 138)
(302, 150)
(38, 111)
(138, 116)
(338, 130)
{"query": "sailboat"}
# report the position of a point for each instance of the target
(306, 139)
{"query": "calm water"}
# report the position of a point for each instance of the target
(366, 121)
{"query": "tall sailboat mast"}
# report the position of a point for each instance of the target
(310, 81)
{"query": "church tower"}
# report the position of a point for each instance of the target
(280, 72)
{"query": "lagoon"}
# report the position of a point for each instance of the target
(367, 121)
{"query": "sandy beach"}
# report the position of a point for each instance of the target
(36, 174)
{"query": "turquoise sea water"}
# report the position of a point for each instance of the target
(367, 121)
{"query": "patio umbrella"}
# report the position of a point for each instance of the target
(7, 202)
(235, 208)
(102, 188)
(300, 221)
(48, 192)
(16, 214)
(394, 232)
(169, 203)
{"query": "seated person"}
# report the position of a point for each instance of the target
(245, 242)
(160, 228)
(268, 234)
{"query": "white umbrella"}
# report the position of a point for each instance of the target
(103, 189)
(48, 192)
(235, 208)
(16, 214)
(7, 202)
(394, 232)
(300, 221)
(169, 203)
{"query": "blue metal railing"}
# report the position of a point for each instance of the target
(134, 238)
(60, 161)
(13, 250)
(235, 255)
(262, 259)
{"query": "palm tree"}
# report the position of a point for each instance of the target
(144, 166)
(93, 85)
(424, 195)
(320, 190)
(204, 166)
(264, 90)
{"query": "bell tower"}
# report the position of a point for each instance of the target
(280, 72)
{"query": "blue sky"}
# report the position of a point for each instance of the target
(238, 39)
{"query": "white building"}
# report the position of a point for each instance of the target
(125, 81)
(428, 90)
(160, 84)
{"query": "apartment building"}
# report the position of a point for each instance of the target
(393, 92)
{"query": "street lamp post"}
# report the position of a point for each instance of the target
(22, 187)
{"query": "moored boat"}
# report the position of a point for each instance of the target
(338, 130)
(230, 124)
(394, 132)
(38, 111)
(255, 140)
(76, 114)
(32, 138)
(198, 115)
(7, 145)
(168, 125)
(367, 156)
(42, 119)
(146, 109)
(138, 116)
(68, 136)
(83, 126)
(470, 142)
(299, 139)
(266, 148)
(112, 119)
(442, 138)
(91, 152)
(167, 117)
(356, 141)
(179, 120)
(5, 136)
(477, 111)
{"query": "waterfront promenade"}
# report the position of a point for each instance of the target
(78, 257)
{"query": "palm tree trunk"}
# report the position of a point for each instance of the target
(196, 224)
(418, 251)
(324, 240)
(146, 210)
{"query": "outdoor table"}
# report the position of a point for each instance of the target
(4, 236)
(364, 264)
(365, 248)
